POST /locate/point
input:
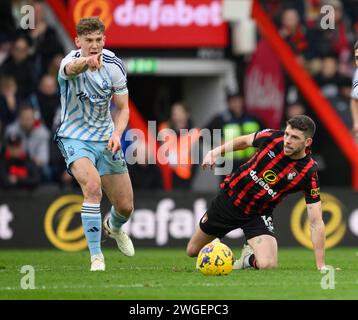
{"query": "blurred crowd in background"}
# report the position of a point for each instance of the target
(30, 99)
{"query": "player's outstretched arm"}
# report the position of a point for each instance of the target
(354, 108)
(317, 228)
(237, 143)
(81, 64)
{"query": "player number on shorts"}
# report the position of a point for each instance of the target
(268, 222)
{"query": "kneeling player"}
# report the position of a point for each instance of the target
(247, 197)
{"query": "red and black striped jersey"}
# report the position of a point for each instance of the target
(268, 176)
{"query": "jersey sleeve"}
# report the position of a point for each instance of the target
(119, 77)
(263, 137)
(355, 86)
(311, 190)
(355, 91)
(69, 58)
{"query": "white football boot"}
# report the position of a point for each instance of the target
(124, 243)
(246, 251)
(97, 262)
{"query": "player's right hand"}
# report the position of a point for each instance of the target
(209, 160)
(94, 62)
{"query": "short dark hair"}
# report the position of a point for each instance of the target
(356, 46)
(89, 25)
(231, 95)
(24, 106)
(303, 123)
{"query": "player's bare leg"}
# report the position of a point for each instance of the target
(265, 251)
(198, 240)
(260, 253)
(88, 178)
(118, 188)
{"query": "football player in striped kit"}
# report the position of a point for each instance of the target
(89, 139)
(281, 165)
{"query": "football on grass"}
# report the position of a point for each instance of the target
(215, 259)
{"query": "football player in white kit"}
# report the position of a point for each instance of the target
(89, 139)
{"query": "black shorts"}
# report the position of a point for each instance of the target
(222, 217)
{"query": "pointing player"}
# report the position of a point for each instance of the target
(354, 100)
(90, 141)
(281, 165)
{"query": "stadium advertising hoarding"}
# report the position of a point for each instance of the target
(40, 220)
(157, 23)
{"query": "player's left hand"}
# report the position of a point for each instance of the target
(114, 143)
(209, 160)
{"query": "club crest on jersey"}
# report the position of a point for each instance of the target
(271, 154)
(291, 175)
(105, 85)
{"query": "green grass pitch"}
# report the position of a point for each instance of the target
(169, 274)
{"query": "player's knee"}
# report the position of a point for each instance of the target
(125, 209)
(93, 190)
(191, 250)
(266, 264)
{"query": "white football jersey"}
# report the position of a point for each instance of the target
(85, 98)
(355, 85)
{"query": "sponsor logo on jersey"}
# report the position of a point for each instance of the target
(270, 177)
(85, 96)
(105, 85)
(262, 182)
(315, 192)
